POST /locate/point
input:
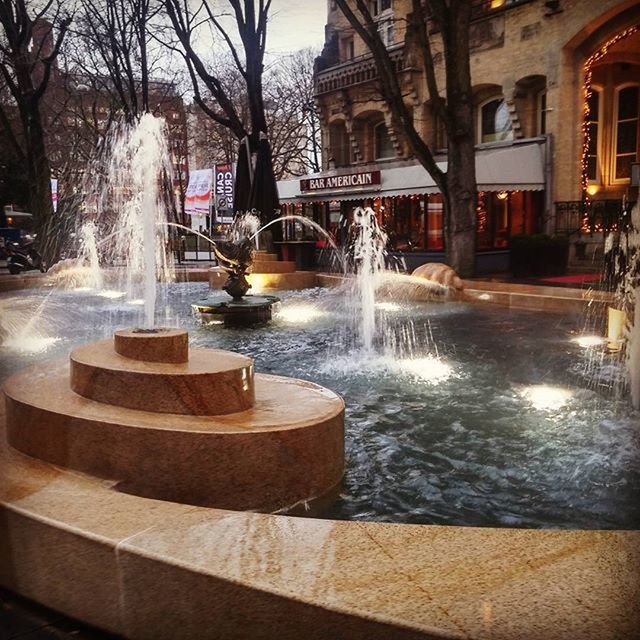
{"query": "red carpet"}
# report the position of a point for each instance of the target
(581, 278)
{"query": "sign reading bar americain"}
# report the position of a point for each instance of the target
(363, 179)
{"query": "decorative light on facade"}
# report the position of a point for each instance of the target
(586, 88)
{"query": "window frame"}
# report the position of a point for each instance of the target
(598, 180)
(541, 98)
(614, 138)
(377, 157)
(480, 107)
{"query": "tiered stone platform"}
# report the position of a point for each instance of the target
(268, 273)
(204, 431)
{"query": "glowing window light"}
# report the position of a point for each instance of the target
(299, 313)
(430, 369)
(588, 341)
(545, 397)
(137, 301)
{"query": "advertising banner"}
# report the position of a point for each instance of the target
(198, 197)
(54, 194)
(223, 192)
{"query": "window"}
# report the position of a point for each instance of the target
(346, 49)
(593, 127)
(495, 121)
(379, 6)
(339, 144)
(383, 145)
(626, 132)
(542, 113)
(387, 32)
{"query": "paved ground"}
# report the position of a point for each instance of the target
(25, 620)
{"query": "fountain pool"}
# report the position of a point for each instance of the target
(492, 417)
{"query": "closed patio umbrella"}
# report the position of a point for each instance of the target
(264, 191)
(242, 186)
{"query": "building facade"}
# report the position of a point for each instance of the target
(556, 92)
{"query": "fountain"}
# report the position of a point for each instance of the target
(183, 435)
(622, 253)
(154, 468)
(235, 257)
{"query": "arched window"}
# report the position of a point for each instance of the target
(494, 121)
(383, 145)
(625, 150)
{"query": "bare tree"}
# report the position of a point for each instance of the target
(449, 21)
(113, 51)
(247, 51)
(292, 118)
(31, 36)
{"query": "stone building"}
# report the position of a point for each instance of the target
(556, 91)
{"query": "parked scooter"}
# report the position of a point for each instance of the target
(23, 258)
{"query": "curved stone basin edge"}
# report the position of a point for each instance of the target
(145, 568)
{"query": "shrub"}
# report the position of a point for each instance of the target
(538, 255)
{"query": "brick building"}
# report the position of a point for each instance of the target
(556, 91)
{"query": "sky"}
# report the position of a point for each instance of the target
(296, 24)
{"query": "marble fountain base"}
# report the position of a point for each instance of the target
(151, 564)
(195, 427)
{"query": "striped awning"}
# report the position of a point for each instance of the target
(516, 166)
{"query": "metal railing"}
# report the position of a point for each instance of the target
(573, 216)
(355, 71)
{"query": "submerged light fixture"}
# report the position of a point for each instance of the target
(546, 397)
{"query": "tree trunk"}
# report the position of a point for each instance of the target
(40, 180)
(461, 195)
(461, 200)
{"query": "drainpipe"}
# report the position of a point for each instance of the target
(550, 217)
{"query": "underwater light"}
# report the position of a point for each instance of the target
(545, 397)
(299, 313)
(388, 306)
(588, 341)
(30, 344)
(112, 295)
(430, 369)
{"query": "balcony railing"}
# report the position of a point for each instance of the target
(355, 71)
(590, 217)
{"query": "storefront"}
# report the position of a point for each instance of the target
(409, 207)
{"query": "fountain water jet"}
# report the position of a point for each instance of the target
(622, 250)
(124, 226)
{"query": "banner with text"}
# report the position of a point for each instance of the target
(198, 196)
(54, 194)
(223, 192)
(348, 181)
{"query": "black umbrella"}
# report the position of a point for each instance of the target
(242, 186)
(264, 191)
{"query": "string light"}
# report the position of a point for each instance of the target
(586, 138)
(481, 213)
